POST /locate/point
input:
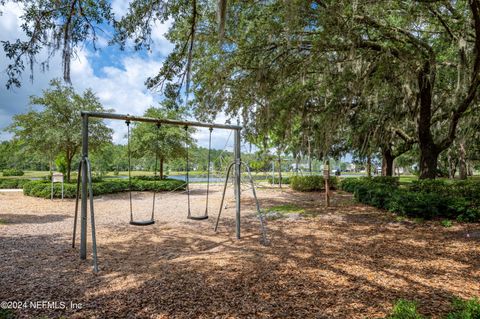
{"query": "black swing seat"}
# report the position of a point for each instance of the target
(142, 222)
(198, 217)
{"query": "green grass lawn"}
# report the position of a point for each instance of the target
(30, 174)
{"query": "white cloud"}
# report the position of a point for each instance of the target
(120, 8)
(160, 44)
(10, 22)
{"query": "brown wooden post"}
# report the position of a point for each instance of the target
(326, 176)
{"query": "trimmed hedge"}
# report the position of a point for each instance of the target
(285, 180)
(147, 178)
(12, 183)
(43, 188)
(426, 198)
(311, 183)
(12, 172)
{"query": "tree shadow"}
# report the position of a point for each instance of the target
(32, 219)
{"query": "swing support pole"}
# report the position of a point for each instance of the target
(238, 163)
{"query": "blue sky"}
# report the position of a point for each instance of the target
(117, 77)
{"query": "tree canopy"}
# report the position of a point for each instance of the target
(322, 78)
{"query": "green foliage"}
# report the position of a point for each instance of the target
(413, 204)
(61, 164)
(286, 208)
(59, 26)
(462, 309)
(349, 184)
(11, 183)
(12, 172)
(424, 199)
(7, 314)
(43, 188)
(55, 130)
(465, 309)
(148, 178)
(311, 183)
(276, 180)
(405, 309)
(281, 211)
(391, 181)
(446, 223)
(167, 141)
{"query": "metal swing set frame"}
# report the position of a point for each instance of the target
(85, 187)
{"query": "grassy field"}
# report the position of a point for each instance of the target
(29, 175)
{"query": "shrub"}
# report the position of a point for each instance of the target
(424, 199)
(462, 309)
(427, 185)
(446, 223)
(405, 309)
(285, 180)
(43, 188)
(465, 309)
(311, 183)
(386, 180)
(349, 184)
(12, 172)
(423, 205)
(374, 194)
(149, 178)
(12, 183)
(7, 314)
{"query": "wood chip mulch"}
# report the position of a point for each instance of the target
(347, 261)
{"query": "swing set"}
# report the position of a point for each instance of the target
(85, 188)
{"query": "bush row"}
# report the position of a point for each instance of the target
(43, 188)
(12, 183)
(311, 183)
(12, 172)
(148, 178)
(276, 180)
(425, 199)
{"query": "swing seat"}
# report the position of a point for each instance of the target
(198, 217)
(142, 222)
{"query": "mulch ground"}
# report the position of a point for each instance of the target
(347, 261)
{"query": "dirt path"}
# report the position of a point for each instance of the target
(350, 261)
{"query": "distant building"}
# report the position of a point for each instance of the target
(350, 167)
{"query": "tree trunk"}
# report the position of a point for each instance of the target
(387, 162)
(326, 177)
(297, 164)
(280, 171)
(369, 166)
(469, 169)
(309, 158)
(462, 161)
(428, 150)
(428, 161)
(160, 170)
(451, 165)
(69, 168)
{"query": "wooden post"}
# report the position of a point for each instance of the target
(326, 176)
